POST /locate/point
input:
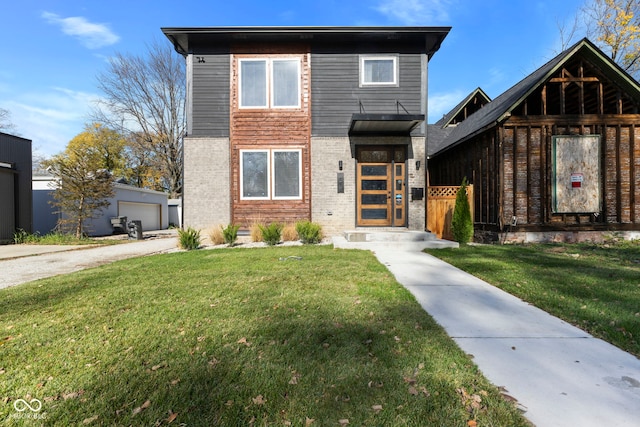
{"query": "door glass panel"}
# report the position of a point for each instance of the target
(398, 170)
(368, 155)
(398, 214)
(374, 214)
(374, 199)
(374, 184)
(373, 170)
(398, 185)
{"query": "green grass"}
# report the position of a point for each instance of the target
(595, 287)
(56, 238)
(236, 337)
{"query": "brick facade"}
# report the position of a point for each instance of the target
(206, 182)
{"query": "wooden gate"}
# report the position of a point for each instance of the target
(441, 201)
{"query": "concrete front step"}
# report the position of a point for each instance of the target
(339, 242)
(386, 235)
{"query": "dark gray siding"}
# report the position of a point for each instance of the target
(17, 152)
(336, 91)
(210, 96)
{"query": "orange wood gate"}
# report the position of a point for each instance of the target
(441, 201)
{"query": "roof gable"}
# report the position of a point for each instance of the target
(500, 108)
(469, 105)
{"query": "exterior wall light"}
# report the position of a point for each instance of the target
(417, 165)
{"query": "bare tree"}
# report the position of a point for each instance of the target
(5, 120)
(614, 25)
(145, 97)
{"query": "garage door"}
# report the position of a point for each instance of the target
(148, 213)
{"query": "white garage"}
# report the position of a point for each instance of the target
(149, 213)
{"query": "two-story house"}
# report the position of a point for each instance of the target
(318, 123)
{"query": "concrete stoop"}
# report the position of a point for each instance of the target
(390, 238)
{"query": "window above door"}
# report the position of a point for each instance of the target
(377, 70)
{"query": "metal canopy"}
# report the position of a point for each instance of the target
(384, 124)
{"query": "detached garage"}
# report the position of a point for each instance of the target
(148, 206)
(149, 213)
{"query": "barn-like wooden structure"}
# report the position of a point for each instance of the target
(554, 158)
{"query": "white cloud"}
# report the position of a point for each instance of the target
(415, 12)
(91, 35)
(441, 103)
(50, 118)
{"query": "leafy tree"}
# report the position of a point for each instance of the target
(84, 176)
(614, 25)
(145, 96)
(462, 224)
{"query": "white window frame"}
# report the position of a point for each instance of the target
(270, 88)
(242, 196)
(269, 83)
(364, 58)
(271, 182)
(273, 176)
(266, 82)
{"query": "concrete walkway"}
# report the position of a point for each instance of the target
(559, 374)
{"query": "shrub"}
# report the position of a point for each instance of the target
(215, 235)
(20, 236)
(272, 233)
(289, 233)
(230, 233)
(309, 232)
(189, 239)
(462, 224)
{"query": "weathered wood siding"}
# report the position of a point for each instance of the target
(511, 168)
(209, 95)
(271, 129)
(337, 93)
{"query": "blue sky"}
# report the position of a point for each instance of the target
(53, 50)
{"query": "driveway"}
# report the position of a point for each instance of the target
(24, 263)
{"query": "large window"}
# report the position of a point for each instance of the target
(378, 70)
(269, 83)
(270, 174)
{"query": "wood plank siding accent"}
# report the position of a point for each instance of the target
(268, 128)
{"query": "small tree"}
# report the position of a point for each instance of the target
(462, 224)
(83, 175)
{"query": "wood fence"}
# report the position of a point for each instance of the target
(441, 200)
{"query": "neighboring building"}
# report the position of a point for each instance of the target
(318, 123)
(148, 206)
(15, 186)
(554, 158)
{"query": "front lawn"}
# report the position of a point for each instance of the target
(595, 287)
(287, 336)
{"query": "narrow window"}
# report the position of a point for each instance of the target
(254, 171)
(253, 83)
(286, 83)
(378, 70)
(287, 179)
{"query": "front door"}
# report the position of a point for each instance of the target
(381, 196)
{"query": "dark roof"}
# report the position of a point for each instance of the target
(186, 38)
(500, 108)
(446, 119)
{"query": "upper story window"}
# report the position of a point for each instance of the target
(269, 83)
(378, 70)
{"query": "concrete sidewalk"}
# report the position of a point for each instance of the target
(559, 374)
